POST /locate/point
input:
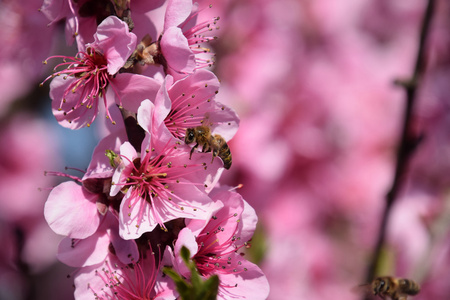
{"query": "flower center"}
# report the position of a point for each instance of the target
(161, 183)
(197, 36)
(217, 250)
(190, 110)
(135, 281)
(88, 71)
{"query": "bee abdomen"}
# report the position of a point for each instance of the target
(409, 286)
(225, 155)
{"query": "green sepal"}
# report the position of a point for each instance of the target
(114, 159)
(197, 289)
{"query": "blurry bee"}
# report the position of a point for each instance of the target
(202, 136)
(394, 288)
(147, 53)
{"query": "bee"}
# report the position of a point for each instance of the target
(394, 288)
(216, 144)
(147, 53)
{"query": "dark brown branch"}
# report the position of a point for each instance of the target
(135, 132)
(408, 141)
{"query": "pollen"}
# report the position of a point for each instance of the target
(148, 180)
(87, 78)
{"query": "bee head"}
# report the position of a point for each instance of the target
(190, 136)
(378, 286)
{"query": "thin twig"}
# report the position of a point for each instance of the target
(408, 141)
(135, 133)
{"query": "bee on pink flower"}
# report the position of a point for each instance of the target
(181, 45)
(160, 183)
(190, 102)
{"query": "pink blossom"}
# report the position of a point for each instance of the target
(89, 225)
(92, 75)
(114, 279)
(181, 38)
(59, 10)
(67, 205)
(190, 102)
(85, 213)
(84, 199)
(214, 246)
(181, 41)
(161, 183)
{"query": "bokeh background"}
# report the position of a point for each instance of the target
(313, 84)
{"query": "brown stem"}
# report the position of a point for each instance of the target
(135, 132)
(408, 141)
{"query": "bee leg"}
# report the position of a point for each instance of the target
(206, 148)
(192, 150)
(214, 154)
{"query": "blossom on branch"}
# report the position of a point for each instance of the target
(161, 183)
(190, 102)
(143, 173)
(180, 45)
(92, 76)
(214, 247)
(114, 279)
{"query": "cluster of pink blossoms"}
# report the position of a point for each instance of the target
(146, 193)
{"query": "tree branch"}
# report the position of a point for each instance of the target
(408, 141)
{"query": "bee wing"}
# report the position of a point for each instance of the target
(364, 289)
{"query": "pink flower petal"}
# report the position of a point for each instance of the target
(187, 202)
(234, 203)
(117, 42)
(177, 12)
(225, 121)
(86, 252)
(187, 239)
(128, 154)
(132, 89)
(100, 166)
(71, 211)
(145, 115)
(55, 10)
(62, 106)
(126, 250)
(86, 281)
(176, 51)
(94, 249)
(162, 101)
(248, 227)
(213, 170)
(248, 284)
(151, 119)
(196, 225)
